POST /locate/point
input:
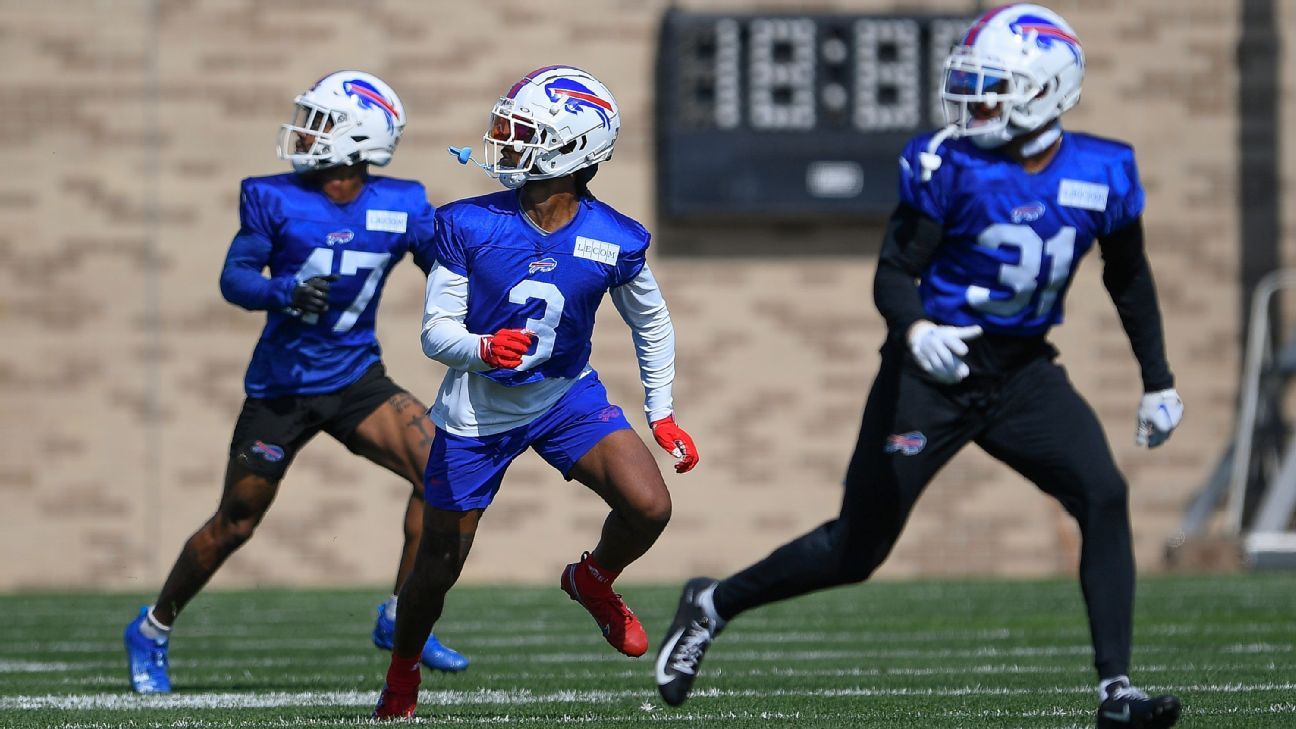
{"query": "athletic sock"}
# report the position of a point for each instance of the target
(152, 628)
(590, 570)
(403, 673)
(389, 607)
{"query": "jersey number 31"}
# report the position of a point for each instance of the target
(1023, 278)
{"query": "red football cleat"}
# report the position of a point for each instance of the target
(593, 590)
(394, 704)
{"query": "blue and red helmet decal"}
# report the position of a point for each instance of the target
(369, 97)
(575, 95)
(1047, 32)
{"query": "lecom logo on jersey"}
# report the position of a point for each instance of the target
(596, 250)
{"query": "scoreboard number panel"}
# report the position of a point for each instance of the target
(792, 117)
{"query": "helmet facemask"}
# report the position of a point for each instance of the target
(316, 137)
(512, 143)
(983, 99)
(518, 148)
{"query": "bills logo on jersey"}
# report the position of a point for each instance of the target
(1028, 213)
(269, 452)
(578, 96)
(544, 265)
(339, 237)
(907, 444)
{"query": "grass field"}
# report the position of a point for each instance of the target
(903, 655)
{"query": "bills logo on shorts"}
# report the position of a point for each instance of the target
(544, 265)
(907, 444)
(269, 452)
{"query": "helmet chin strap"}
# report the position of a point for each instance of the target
(992, 140)
(1043, 141)
(931, 161)
(513, 180)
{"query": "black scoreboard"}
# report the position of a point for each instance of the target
(792, 117)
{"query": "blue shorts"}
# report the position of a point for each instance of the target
(465, 472)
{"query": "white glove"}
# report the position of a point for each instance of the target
(1159, 414)
(939, 349)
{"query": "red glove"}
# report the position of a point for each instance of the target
(504, 349)
(676, 442)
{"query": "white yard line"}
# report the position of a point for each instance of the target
(126, 702)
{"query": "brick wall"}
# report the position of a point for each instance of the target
(129, 127)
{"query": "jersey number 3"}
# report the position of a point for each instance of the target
(1023, 278)
(545, 327)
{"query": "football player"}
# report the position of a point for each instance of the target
(510, 311)
(995, 212)
(330, 234)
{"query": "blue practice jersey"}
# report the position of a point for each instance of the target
(297, 232)
(1012, 240)
(521, 278)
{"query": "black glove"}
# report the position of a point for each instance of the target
(311, 296)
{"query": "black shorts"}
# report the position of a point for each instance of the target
(270, 431)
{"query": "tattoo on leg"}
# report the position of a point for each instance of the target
(402, 400)
(421, 424)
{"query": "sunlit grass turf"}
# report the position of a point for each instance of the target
(887, 654)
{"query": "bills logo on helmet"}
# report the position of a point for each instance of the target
(1045, 30)
(1046, 34)
(544, 265)
(908, 444)
(1027, 213)
(339, 237)
(578, 97)
(370, 97)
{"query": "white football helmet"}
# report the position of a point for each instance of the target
(553, 122)
(346, 118)
(1018, 68)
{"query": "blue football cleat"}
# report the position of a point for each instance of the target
(435, 656)
(146, 658)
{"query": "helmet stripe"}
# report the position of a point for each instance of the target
(529, 77)
(980, 23)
